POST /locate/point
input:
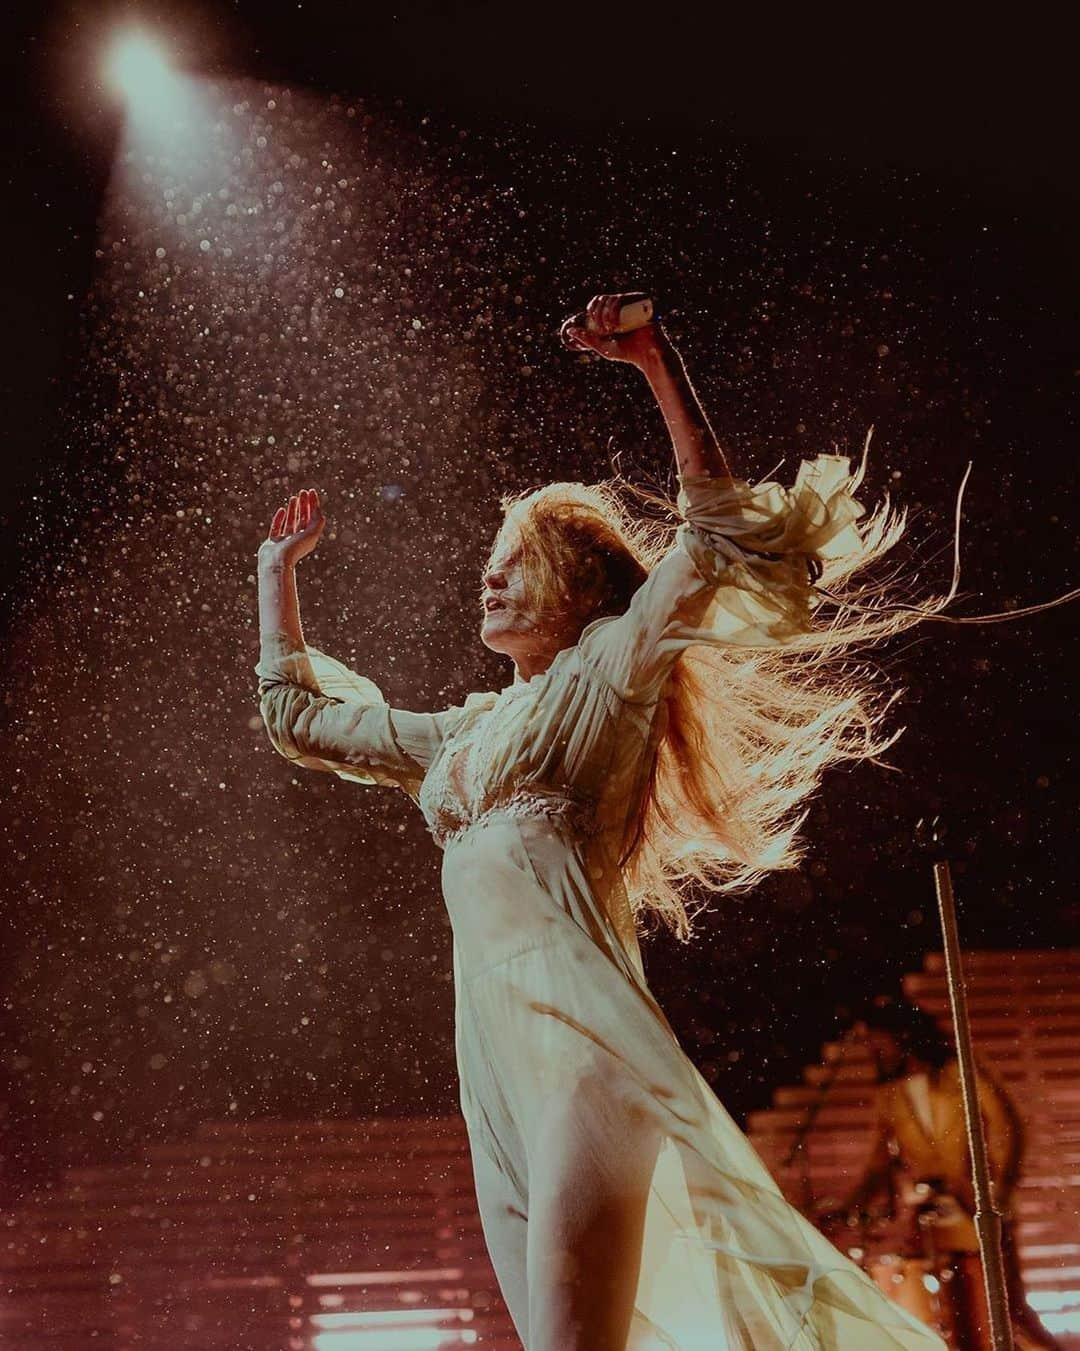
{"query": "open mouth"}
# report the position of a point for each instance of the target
(492, 604)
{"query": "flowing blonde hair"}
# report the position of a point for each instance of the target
(749, 732)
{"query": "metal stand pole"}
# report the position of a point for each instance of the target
(987, 1219)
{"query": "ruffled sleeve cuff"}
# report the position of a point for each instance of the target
(342, 719)
(283, 661)
(816, 517)
(762, 546)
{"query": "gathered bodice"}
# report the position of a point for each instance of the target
(450, 813)
(464, 786)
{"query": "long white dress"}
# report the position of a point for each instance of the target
(560, 1043)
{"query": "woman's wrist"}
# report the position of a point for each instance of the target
(273, 565)
(662, 360)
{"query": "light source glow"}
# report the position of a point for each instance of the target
(416, 1339)
(1058, 1309)
(395, 1330)
(169, 129)
(1044, 1300)
(138, 68)
(335, 1278)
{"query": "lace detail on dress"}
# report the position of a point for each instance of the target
(459, 791)
(579, 813)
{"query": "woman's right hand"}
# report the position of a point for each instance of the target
(641, 347)
(294, 531)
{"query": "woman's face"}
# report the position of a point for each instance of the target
(506, 617)
(509, 624)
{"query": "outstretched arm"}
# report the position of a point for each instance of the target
(318, 713)
(697, 451)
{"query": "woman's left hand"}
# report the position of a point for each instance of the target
(294, 531)
(638, 347)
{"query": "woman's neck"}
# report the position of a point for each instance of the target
(529, 664)
(528, 667)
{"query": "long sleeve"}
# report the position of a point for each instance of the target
(739, 573)
(323, 716)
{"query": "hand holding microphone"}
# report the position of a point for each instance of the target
(618, 327)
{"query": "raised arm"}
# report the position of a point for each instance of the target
(741, 572)
(814, 517)
(697, 451)
(318, 713)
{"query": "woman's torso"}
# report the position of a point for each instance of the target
(530, 799)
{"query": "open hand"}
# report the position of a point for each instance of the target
(600, 334)
(294, 531)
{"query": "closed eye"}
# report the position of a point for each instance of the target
(498, 566)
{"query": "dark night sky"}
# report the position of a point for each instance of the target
(851, 227)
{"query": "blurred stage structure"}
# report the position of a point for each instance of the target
(268, 1236)
(364, 1236)
(1025, 1020)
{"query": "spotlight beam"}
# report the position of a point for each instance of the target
(138, 69)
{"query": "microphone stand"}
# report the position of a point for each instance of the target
(987, 1217)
